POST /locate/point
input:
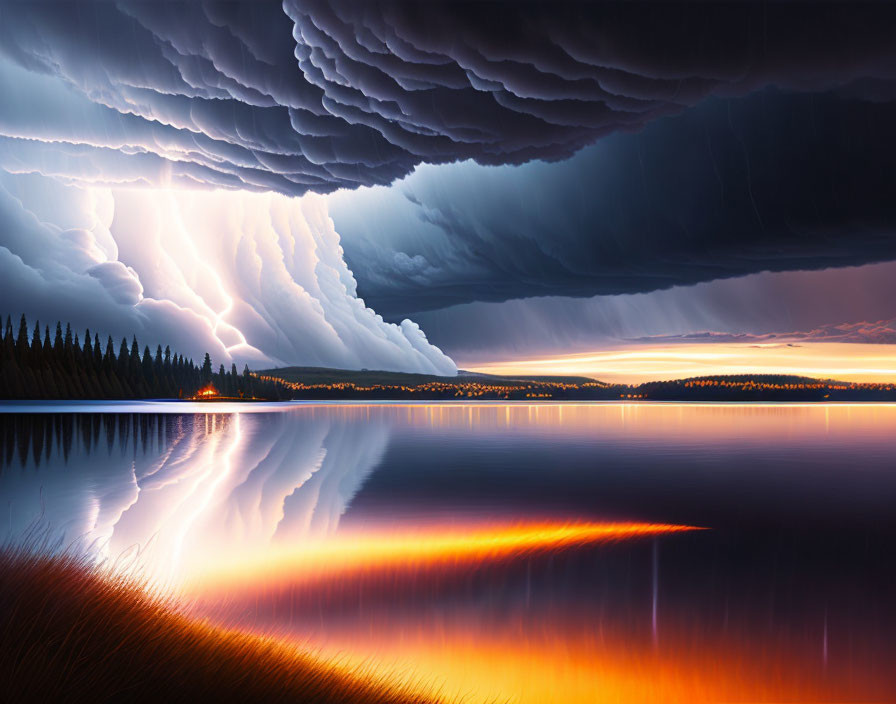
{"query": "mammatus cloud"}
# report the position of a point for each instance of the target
(248, 277)
(683, 185)
(314, 95)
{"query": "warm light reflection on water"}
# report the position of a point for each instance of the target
(646, 422)
(522, 552)
(317, 560)
(475, 666)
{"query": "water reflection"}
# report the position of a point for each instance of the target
(787, 597)
(181, 489)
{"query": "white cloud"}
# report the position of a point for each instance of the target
(248, 277)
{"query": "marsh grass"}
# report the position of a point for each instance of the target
(73, 631)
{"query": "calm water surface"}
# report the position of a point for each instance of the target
(787, 596)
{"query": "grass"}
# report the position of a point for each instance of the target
(73, 632)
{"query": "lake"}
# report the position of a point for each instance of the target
(359, 530)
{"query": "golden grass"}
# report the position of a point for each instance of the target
(73, 632)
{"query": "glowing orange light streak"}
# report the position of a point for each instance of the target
(371, 551)
(526, 659)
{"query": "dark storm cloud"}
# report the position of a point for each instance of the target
(766, 307)
(667, 174)
(770, 182)
(321, 95)
(881, 332)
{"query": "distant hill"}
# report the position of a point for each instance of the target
(315, 383)
(367, 377)
(763, 387)
(747, 378)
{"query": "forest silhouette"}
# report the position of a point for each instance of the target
(35, 366)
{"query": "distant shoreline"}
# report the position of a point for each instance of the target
(10, 406)
(320, 384)
(372, 386)
(172, 408)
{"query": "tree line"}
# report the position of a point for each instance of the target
(37, 366)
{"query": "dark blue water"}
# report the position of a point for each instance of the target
(797, 564)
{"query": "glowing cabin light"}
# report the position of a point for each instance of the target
(208, 391)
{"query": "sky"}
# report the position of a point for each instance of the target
(622, 191)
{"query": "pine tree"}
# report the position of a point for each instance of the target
(9, 345)
(134, 356)
(36, 347)
(124, 359)
(87, 350)
(109, 356)
(22, 343)
(146, 373)
(57, 341)
(160, 387)
(67, 342)
(206, 370)
(31, 367)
